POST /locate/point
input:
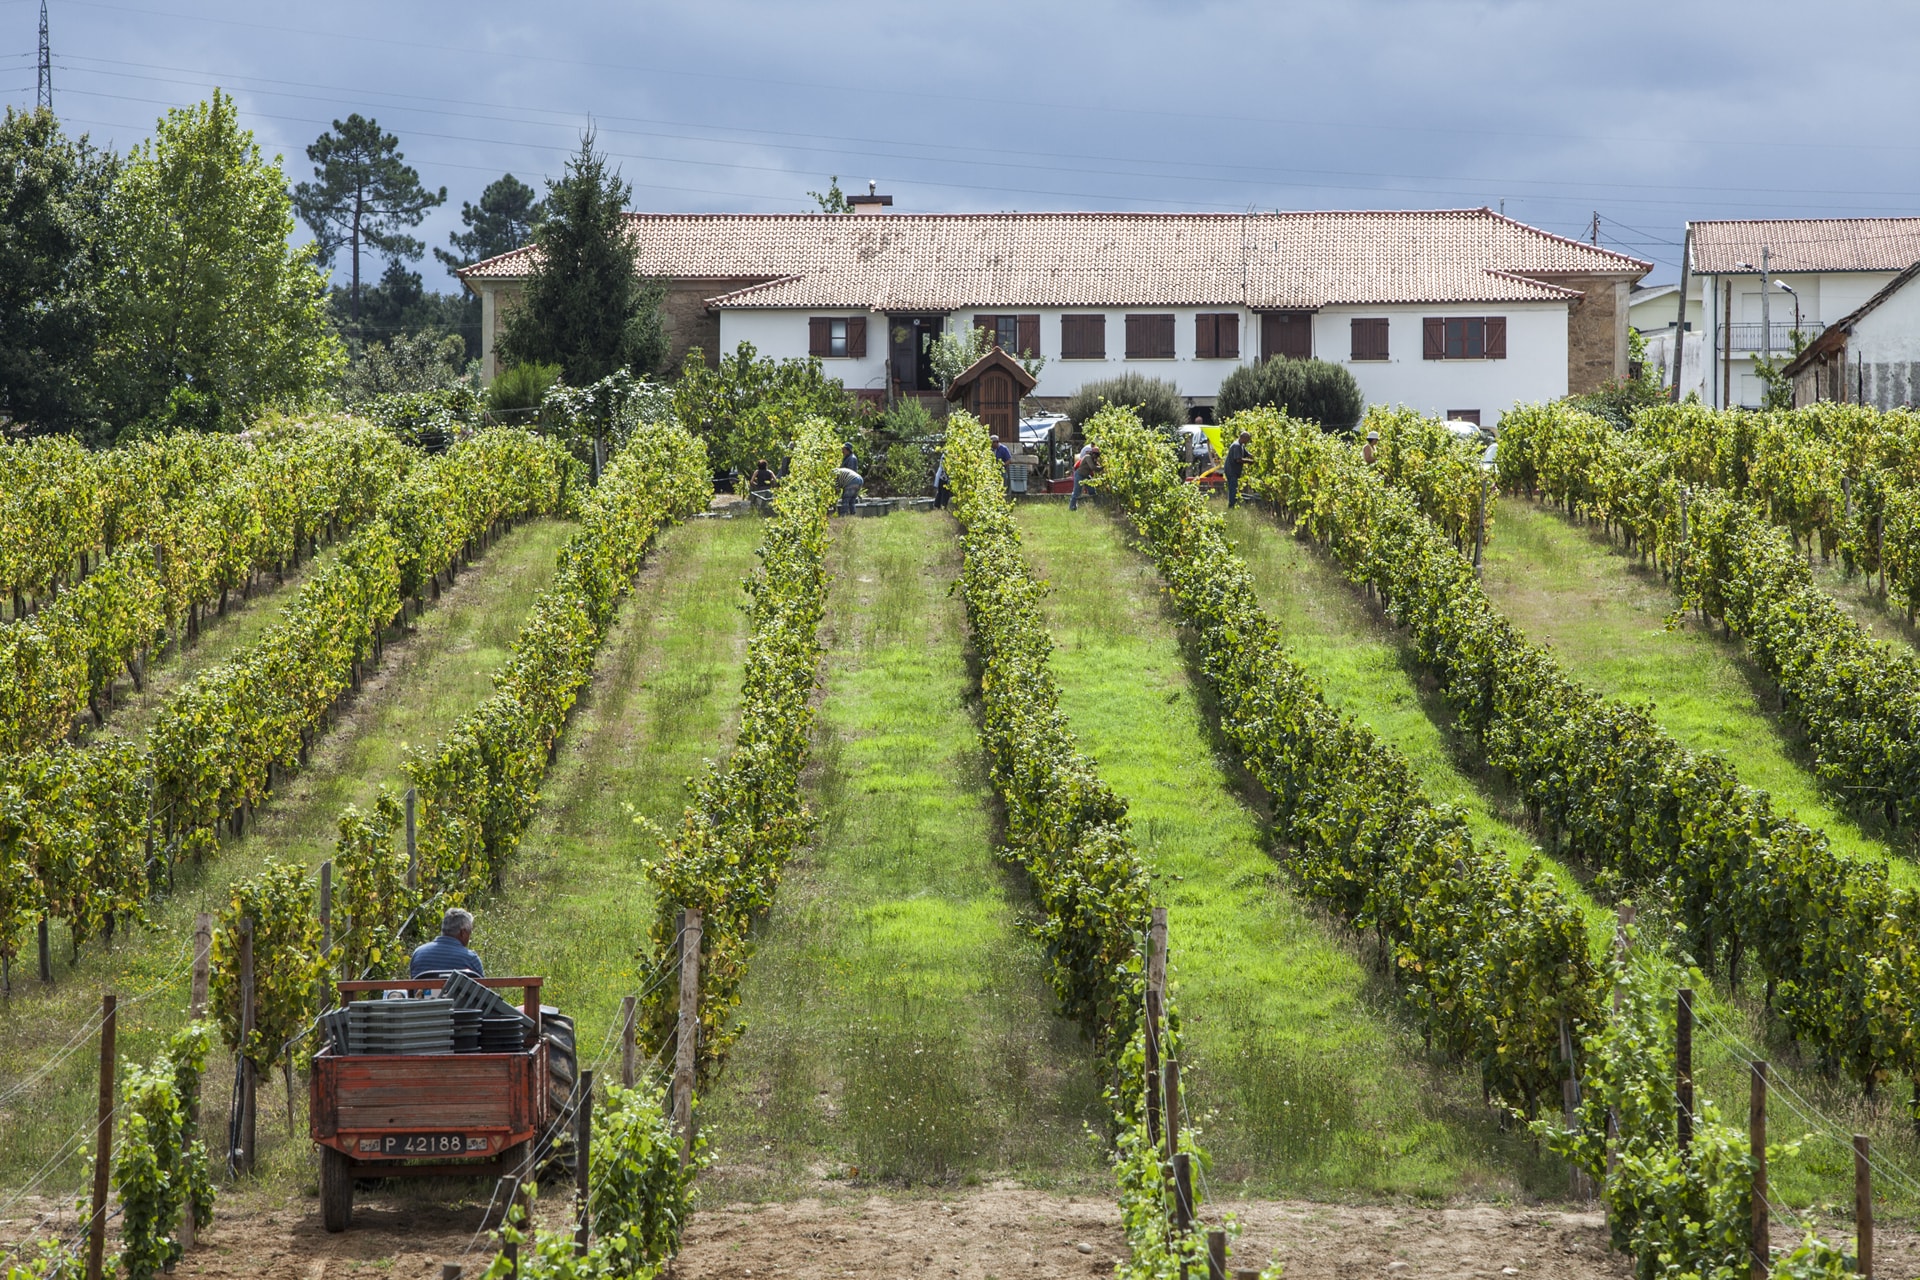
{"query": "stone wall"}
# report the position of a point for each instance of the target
(1596, 331)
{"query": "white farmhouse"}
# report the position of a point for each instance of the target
(1458, 311)
(1871, 355)
(1819, 269)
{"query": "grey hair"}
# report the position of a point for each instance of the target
(456, 922)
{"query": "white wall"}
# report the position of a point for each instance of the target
(1890, 333)
(1535, 367)
(783, 335)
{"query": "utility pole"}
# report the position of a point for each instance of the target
(45, 100)
(1766, 307)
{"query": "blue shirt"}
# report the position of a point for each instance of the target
(442, 956)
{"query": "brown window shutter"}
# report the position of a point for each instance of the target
(984, 324)
(1136, 337)
(1071, 338)
(857, 337)
(819, 336)
(1029, 343)
(1362, 340)
(1496, 337)
(1226, 343)
(1163, 337)
(1433, 338)
(1381, 336)
(1206, 337)
(1094, 345)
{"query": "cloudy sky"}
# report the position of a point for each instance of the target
(1645, 113)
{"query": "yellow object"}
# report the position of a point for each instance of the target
(1217, 440)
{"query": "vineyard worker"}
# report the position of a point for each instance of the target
(1372, 448)
(763, 477)
(1236, 463)
(1004, 456)
(942, 491)
(449, 952)
(1083, 466)
(849, 481)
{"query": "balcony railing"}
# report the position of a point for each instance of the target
(1747, 335)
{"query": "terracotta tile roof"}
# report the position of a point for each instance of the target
(941, 262)
(1806, 244)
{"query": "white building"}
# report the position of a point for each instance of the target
(1830, 266)
(1460, 311)
(1871, 355)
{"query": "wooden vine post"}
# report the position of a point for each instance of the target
(326, 931)
(626, 1042)
(1579, 1185)
(1759, 1255)
(413, 848)
(103, 1143)
(1216, 1255)
(1862, 1208)
(196, 1010)
(1683, 1068)
(687, 1035)
(249, 1077)
(1156, 1011)
(582, 1152)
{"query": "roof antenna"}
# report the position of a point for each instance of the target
(873, 188)
(1503, 206)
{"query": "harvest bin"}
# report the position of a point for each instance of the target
(426, 1114)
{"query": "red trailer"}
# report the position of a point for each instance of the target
(435, 1114)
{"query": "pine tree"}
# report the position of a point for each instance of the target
(365, 196)
(502, 221)
(586, 306)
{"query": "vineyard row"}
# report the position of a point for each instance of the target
(1606, 785)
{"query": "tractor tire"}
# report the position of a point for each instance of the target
(336, 1190)
(563, 1072)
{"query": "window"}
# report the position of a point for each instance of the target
(1464, 338)
(1369, 338)
(837, 337)
(1015, 335)
(1083, 337)
(1464, 415)
(1216, 337)
(1149, 337)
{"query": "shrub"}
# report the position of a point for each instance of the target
(1157, 401)
(905, 470)
(1618, 401)
(906, 419)
(1315, 390)
(516, 394)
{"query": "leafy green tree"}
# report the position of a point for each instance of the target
(211, 316)
(53, 196)
(752, 407)
(502, 221)
(586, 307)
(401, 306)
(365, 197)
(406, 363)
(833, 199)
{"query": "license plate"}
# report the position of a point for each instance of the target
(415, 1145)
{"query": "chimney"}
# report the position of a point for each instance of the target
(872, 202)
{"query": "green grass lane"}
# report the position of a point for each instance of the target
(1314, 1085)
(1605, 618)
(664, 699)
(898, 1019)
(1367, 669)
(428, 680)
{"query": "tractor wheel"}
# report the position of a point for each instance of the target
(336, 1190)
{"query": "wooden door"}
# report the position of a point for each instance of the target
(1286, 333)
(998, 404)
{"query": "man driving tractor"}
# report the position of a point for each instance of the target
(449, 952)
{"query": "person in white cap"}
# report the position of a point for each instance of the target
(1371, 448)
